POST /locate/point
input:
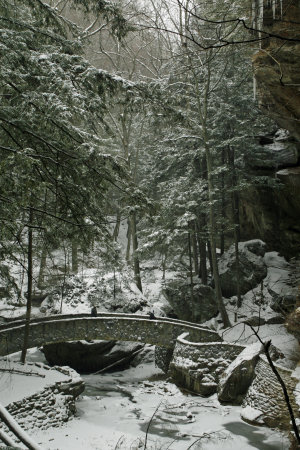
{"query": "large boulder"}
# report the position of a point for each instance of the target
(252, 269)
(91, 356)
(238, 376)
(282, 283)
(200, 308)
(293, 323)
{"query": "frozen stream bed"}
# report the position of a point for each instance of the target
(116, 408)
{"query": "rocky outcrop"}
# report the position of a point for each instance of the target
(270, 209)
(277, 65)
(274, 151)
(86, 357)
(272, 214)
(293, 323)
(252, 268)
(239, 375)
(202, 307)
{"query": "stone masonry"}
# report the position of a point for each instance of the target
(198, 366)
(265, 395)
(118, 327)
(50, 406)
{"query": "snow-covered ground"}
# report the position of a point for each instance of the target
(116, 409)
(14, 384)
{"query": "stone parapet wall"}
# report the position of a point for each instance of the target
(43, 410)
(162, 332)
(198, 366)
(266, 395)
(50, 406)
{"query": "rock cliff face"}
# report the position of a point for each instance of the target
(273, 214)
(271, 211)
(277, 65)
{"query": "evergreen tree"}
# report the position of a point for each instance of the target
(54, 167)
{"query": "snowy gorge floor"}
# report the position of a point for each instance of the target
(116, 408)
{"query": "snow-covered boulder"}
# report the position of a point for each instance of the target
(201, 308)
(238, 376)
(282, 285)
(293, 323)
(252, 269)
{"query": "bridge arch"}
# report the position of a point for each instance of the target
(162, 332)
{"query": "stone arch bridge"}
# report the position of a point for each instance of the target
(162, 332)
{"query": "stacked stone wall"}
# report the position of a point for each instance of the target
(49, 407)
(266, 395)
(199, 366)
(162, 332)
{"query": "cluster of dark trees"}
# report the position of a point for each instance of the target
(130, 111)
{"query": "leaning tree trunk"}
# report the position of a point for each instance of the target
(136, 261)
(29, 288)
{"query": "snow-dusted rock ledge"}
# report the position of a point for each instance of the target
(42, 399)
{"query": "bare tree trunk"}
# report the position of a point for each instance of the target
(235, 220)
(208, 243)
(117, 226)
(164, 263)
(64, 278)
(223, 207)
(203, 111)
(43, 264)
(128, 241)
(136, 261)
(213, 245)
(202, 252)
(237, 262)
(29, 287)
(195, 248)
(203, 268)
(74, 256)
(191, 273)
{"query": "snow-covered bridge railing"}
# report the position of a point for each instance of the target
(120, 327)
